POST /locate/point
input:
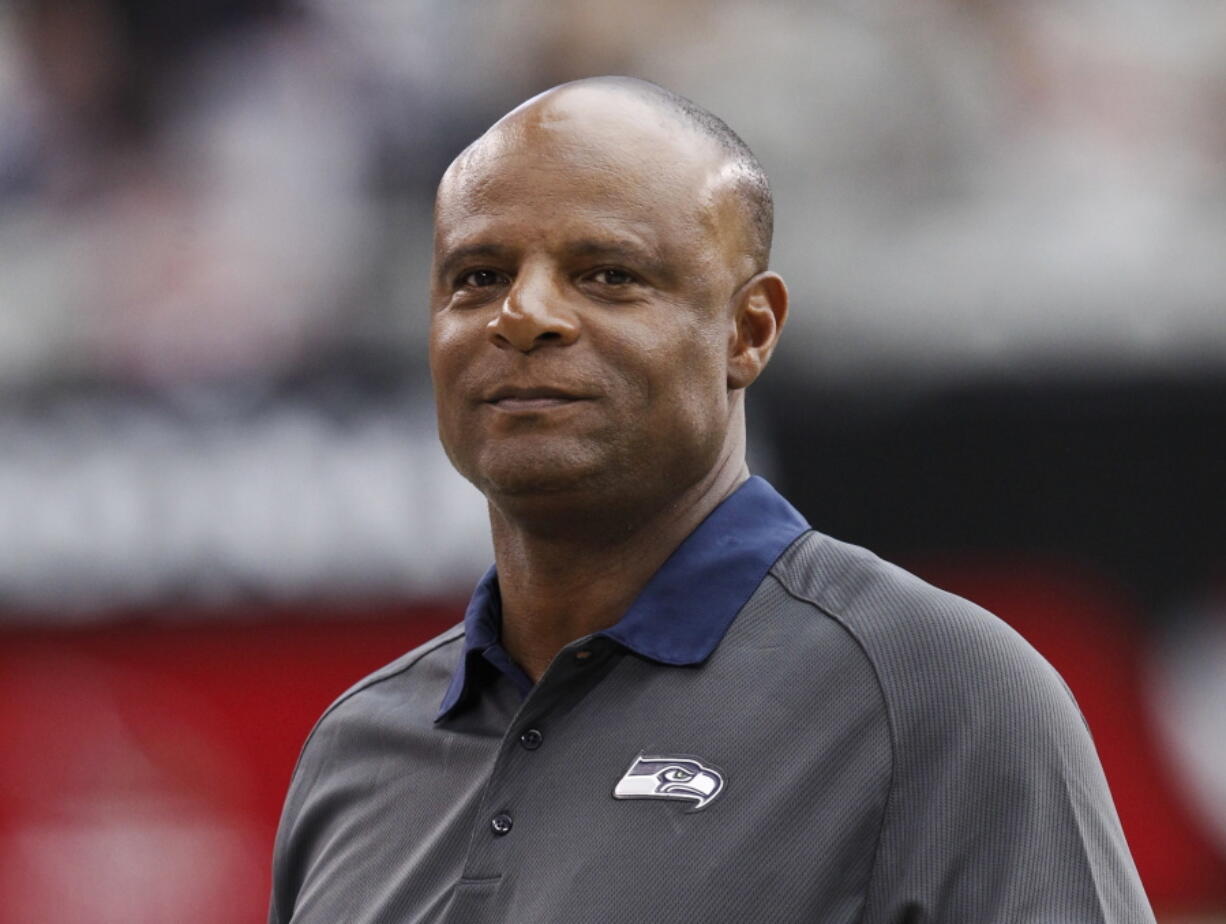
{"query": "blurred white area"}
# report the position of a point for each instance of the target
(1188, 687)
(130, 864)
(120, 505)
(976, 188)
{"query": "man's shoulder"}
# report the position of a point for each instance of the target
(854, 586)
(927, 646)
(409, 688)
(998, 806)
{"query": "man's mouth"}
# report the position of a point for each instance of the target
(535, 398)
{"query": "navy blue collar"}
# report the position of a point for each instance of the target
(685, 609)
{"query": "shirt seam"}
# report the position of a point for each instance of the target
(382, 674)
(887, 808)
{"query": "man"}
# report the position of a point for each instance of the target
(672, 700)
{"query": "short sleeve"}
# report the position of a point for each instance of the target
(998, 809)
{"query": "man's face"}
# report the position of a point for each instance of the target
(585, 261)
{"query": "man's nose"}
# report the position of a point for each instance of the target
(533, 315)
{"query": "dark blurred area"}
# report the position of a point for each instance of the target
(222, 497)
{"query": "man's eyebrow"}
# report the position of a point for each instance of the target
(628, 251)
(457, 256)
(595, 247)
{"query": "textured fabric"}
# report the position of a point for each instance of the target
(887, 752)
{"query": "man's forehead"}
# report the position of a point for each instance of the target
(601, 134)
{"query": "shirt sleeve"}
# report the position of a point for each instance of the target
(998, 808)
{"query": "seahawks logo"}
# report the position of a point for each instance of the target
(670, 778)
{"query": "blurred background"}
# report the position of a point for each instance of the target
(221, 496)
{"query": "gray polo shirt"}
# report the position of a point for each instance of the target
(781, 728)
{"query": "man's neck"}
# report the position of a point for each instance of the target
(556, 589)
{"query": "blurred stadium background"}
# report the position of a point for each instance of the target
(221, 498)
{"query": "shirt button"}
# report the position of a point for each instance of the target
(531, 739)
(502, 824)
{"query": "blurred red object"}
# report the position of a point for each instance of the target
(144, 765)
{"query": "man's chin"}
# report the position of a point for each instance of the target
(527, 482)
(544, 476)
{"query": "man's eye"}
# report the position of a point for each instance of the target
(479, 279)
(612, 277)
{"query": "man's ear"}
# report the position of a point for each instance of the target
(759, 309)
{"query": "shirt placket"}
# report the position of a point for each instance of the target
(506, 817)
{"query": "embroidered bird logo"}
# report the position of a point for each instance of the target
(681, 778)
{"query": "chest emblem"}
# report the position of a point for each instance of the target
(681, 778)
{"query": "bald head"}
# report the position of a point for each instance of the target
(750, 183)
(604, 105)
